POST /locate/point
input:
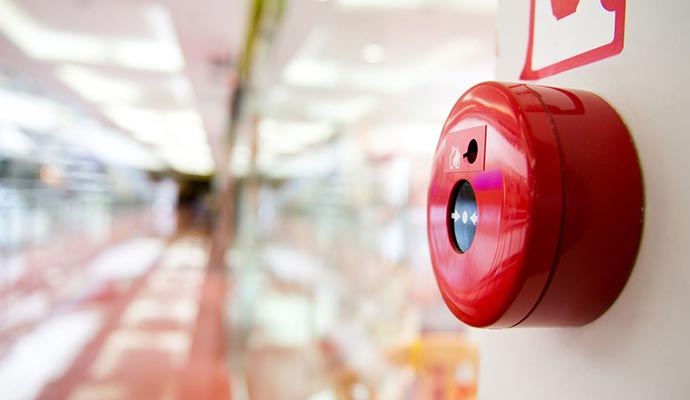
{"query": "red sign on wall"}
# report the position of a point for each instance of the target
(567, 34)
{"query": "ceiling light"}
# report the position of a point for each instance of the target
(373, 53)
(189, 162)
(410, 137)
(102, 88)
(280, 136)
(181, 89)
(312, 73)
(384, 80)
(308, 70)
(15, 142)
(159, 54)
(97, 87)
(110, 146)
(345, 110)
(27, 111)
(178, 136)
(314, 163)
(155, 126)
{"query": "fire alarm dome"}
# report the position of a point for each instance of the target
(535, 206)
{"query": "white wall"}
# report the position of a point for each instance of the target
(639, 349)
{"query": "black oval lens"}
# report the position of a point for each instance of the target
(463, 216)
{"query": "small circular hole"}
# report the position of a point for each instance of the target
(472, 150)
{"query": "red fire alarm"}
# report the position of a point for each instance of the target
(535, 206)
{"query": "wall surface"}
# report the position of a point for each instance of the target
(640, 348)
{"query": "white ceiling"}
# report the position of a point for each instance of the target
(387, 71)
(161, 57)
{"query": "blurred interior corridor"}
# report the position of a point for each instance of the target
(226, 198)
(135, 315)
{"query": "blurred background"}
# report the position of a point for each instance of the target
(227, 198)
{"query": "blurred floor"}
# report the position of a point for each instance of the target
(138, 317)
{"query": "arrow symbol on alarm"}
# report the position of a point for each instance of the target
(474, 219)
(455, 215)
